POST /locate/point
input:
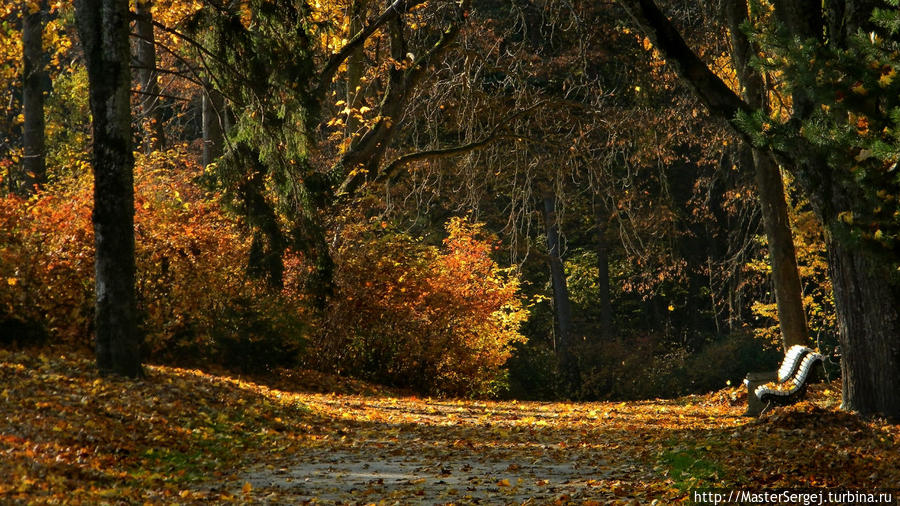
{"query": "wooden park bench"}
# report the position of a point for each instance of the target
(785, 386)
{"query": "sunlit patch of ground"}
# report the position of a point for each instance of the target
(184, 436)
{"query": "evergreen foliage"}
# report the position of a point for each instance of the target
(852, 134)
(260, 57)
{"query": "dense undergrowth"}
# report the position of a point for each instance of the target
(437, 318)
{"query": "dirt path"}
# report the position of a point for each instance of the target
(415, 451)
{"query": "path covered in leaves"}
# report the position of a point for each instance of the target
(183, 436)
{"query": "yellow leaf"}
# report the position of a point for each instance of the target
(247, 488)
(859, 89)
(886, 78)
(12, 281)
(504, 483)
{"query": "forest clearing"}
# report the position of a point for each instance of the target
(190, 437)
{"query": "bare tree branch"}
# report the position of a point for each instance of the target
(334, 62)
(711, 90)
(373, 143)
(393, 170)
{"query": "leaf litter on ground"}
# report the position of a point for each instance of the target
(185, 436)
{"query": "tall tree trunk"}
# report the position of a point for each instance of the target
(868, 328)
(154, 135)
(770, 190)
(103, 30)
(604, 303)
(35, 76)
(867, 296)
(561, 304)
(782, 256)
(213, 117)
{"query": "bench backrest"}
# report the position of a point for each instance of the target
(806, 368)
(764, 392)
(791, 362)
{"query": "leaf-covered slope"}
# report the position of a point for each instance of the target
(67, 435)
(184, 436)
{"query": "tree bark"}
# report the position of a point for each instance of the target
(868, 326)
(213, 116)
(604, 302)
(103, 28)
(35, 76)
(782, 256)
(154, 135)
(561, 303)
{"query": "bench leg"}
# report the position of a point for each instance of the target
(755, 407)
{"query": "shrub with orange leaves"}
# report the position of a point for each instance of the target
(439, 320)
(46, 259)
(193, 294)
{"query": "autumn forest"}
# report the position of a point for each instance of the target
(447, 251)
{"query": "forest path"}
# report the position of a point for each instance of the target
(424, 451)
(185, 436)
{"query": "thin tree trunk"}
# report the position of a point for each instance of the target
(770, 190)
(355, 66)
(103, 30)
(213, 116)
(782, 256)
(561, 304)
(154, 136)
(604, 302)
(713, 304)
(35, 76)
